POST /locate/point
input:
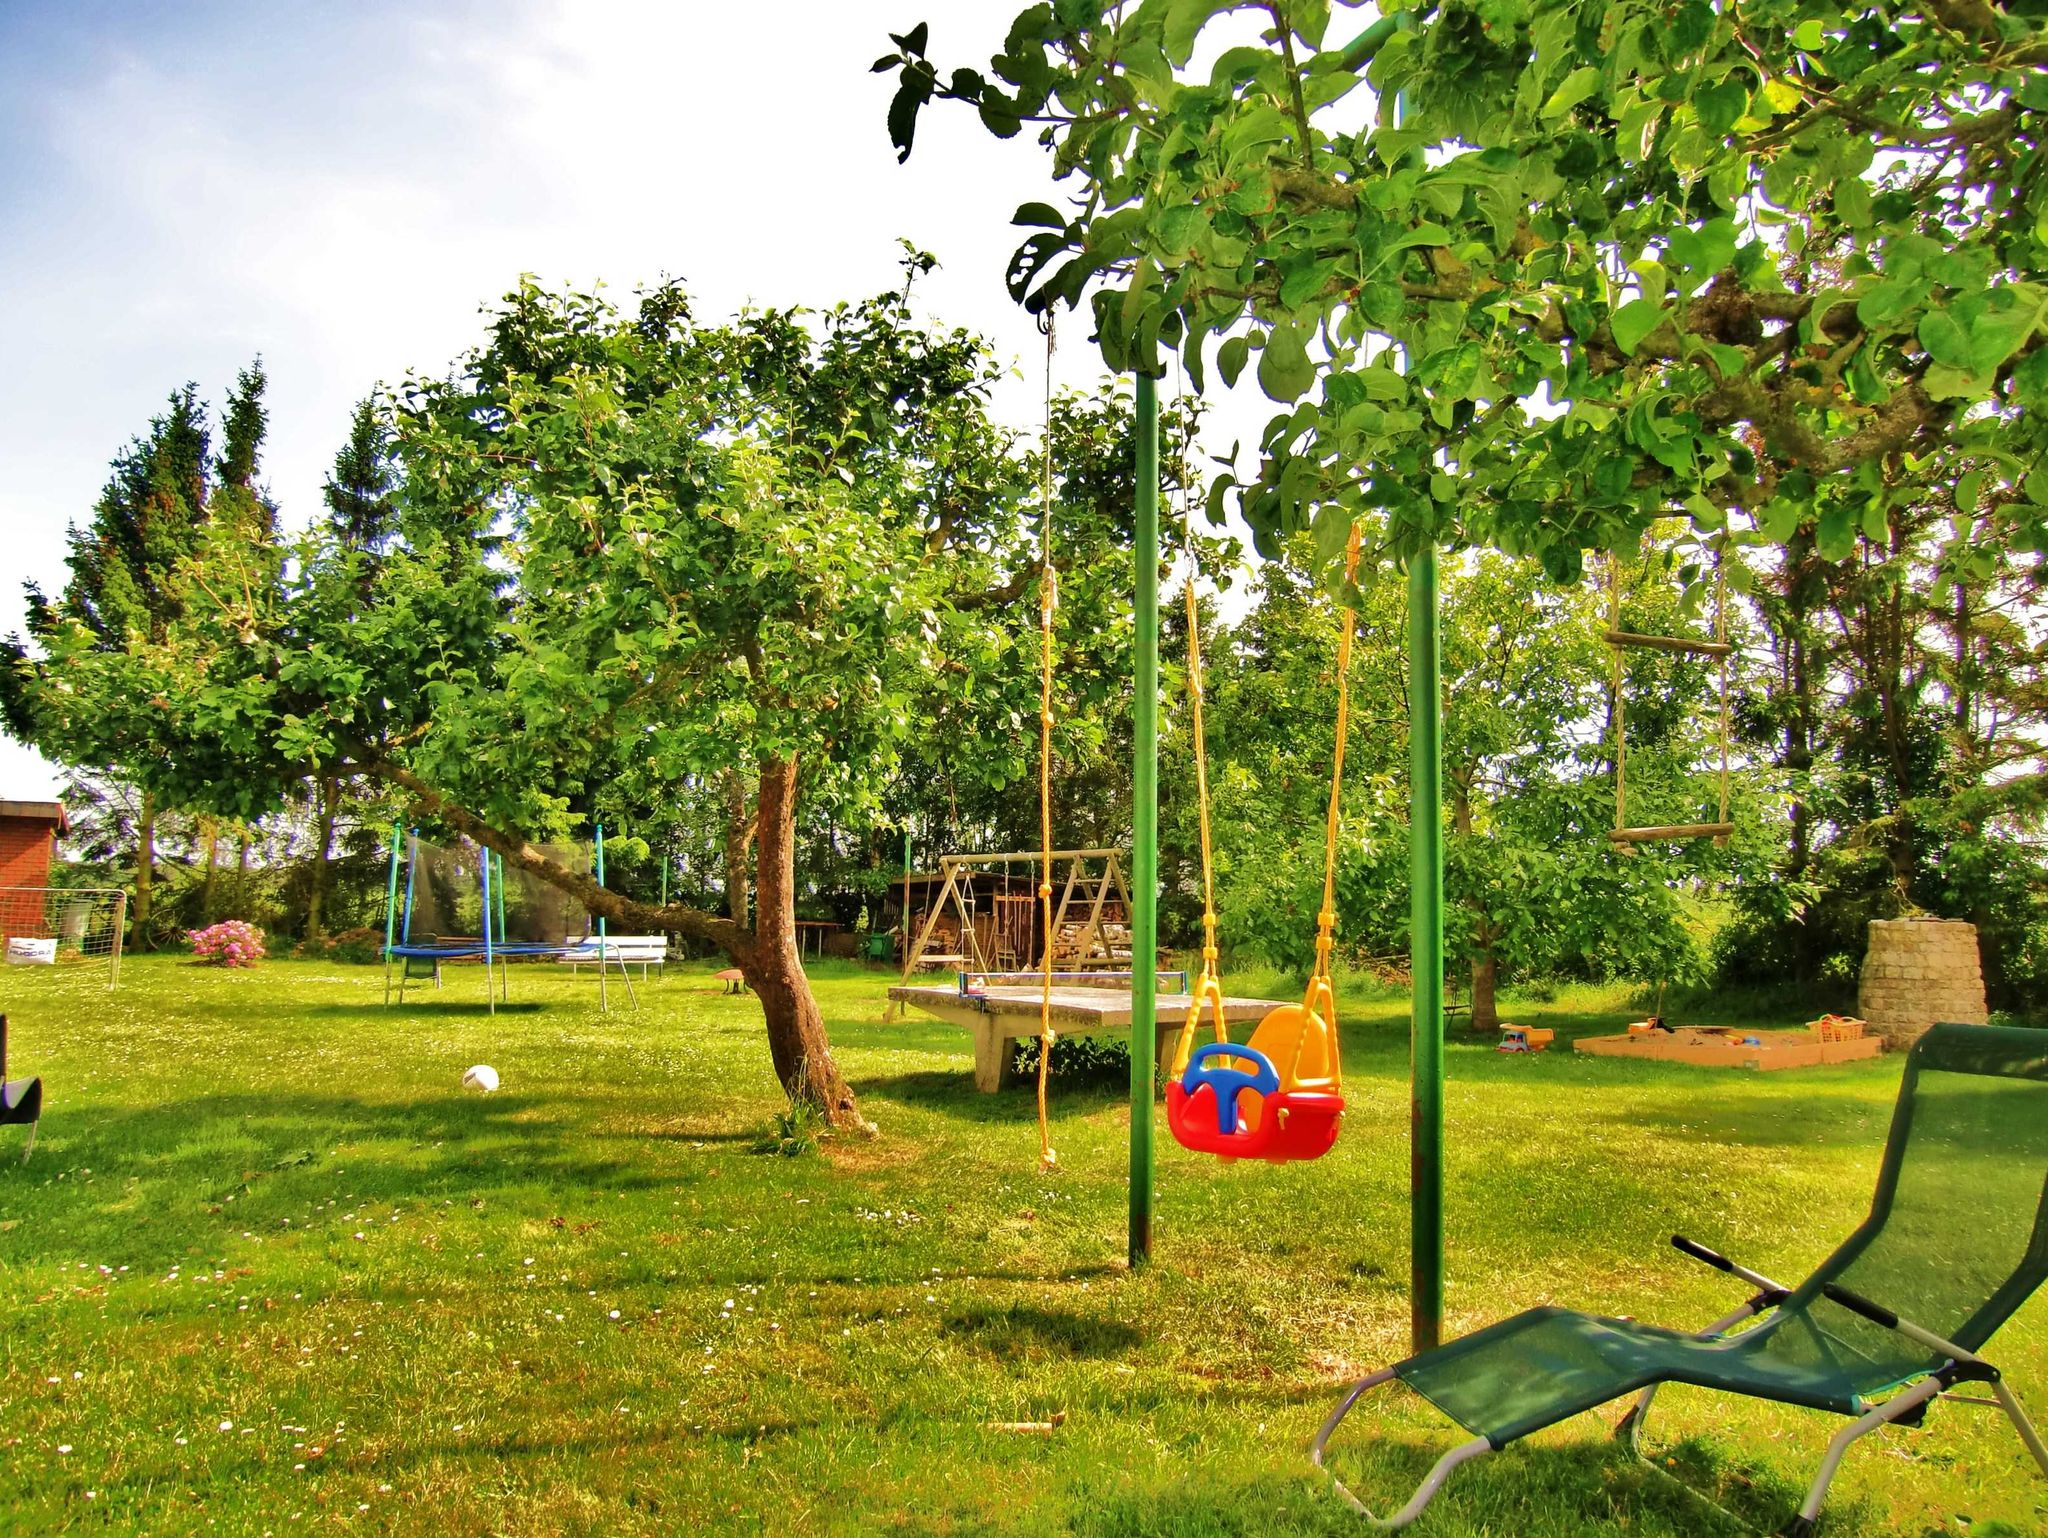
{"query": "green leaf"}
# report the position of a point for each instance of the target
(1039, 215)
(1305, 282)
(1996, 335)
(1852, 202)
(1944, 383)
(1889, 300)
(1573, 89)
(1836, 536)
(1218, 489)
(1333, 531)
(1424, 234)
(1946, 341)
(1383, 384)
(1781, 519)
(1809, 36)
(1183, 23)
(1178, 229)
(1285, 372)
(1969, 488)
(1865, 383)
(1634, 321)
(1720, 105)
(1230, 358)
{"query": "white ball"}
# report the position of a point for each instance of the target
(483, 1077)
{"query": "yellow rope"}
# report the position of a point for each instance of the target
(1048, 598)
(1320, 996)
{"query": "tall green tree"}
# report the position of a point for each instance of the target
(359, 490)
(362, 517)
(125, 584)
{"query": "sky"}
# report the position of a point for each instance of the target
(340, 189)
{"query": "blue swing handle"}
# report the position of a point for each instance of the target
(1227, 1082)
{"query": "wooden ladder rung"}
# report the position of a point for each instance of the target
(1672, 832)
(1669, 643)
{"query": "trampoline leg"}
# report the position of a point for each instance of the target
(1432, 1482)
(30, 1146)
(626, 972)
(1892, 1409)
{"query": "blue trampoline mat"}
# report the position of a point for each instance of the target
(509, 948)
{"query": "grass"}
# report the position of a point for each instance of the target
(272, 1270)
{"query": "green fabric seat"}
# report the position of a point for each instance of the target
(1956, 1239)
(1535, 1369)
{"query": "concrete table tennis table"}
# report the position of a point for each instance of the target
(997, 1017)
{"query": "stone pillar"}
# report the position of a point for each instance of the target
(1918, 972)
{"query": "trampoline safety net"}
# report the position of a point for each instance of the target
(443, 892)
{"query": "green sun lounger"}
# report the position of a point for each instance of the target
(1956, 1240)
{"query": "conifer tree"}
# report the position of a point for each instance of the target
(359, 489)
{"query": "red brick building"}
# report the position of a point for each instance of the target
(28, 832)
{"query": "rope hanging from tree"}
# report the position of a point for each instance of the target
(1048, 600)
(1624, 835)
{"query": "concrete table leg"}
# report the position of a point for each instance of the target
(992, 1054)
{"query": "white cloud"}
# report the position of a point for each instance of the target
(342, 191)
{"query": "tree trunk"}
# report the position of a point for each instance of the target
(323, 857)
(796, 1030)
(739, 833)
(209, 844)
(242, 875)
(145, 871)
(1485, 1008)
(1485, 1012)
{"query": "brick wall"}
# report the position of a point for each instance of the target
(25, 844)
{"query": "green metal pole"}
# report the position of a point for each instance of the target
(603, 936)
(1145, 824)
(1426, 955)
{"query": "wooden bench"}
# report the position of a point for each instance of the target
(621, 951)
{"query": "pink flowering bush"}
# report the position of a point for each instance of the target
(230, 943)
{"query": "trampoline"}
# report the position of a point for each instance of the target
(459, 903)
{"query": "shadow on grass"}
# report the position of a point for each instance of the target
(1588, 1488)
(272, 1154)
(954, 1094)
(413, 1007)
(1013, 1331)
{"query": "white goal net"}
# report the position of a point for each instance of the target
(64, 926)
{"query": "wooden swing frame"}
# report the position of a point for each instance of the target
(1089, 945)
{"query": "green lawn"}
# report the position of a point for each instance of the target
(272, 1269)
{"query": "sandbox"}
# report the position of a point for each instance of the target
(1709, 1046)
